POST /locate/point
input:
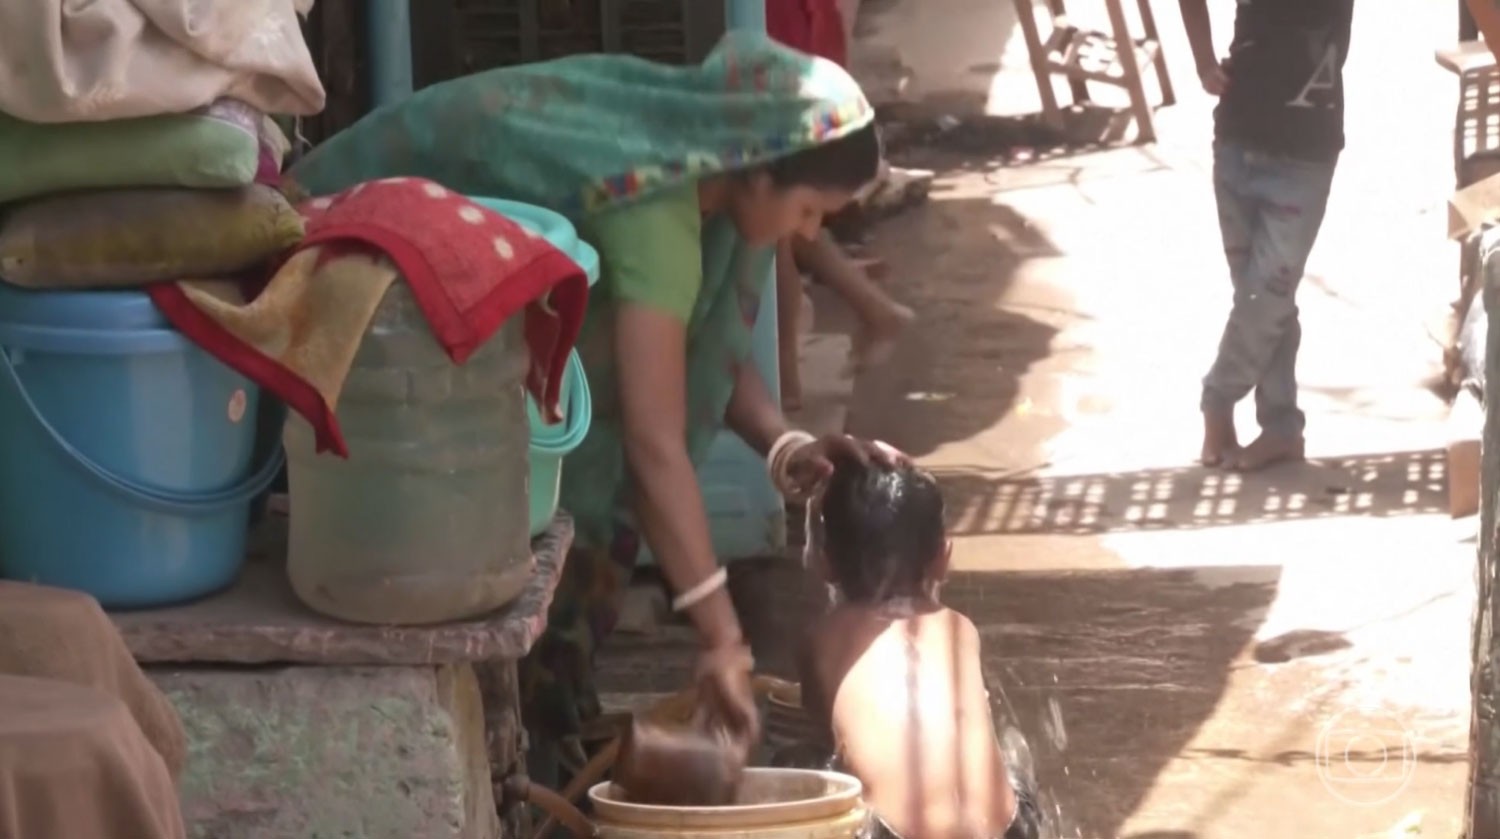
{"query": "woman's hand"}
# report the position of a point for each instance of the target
(810, 464)
(726, 693)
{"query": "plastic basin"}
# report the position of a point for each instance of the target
(550, 443)
(552, 226)
(771, 801)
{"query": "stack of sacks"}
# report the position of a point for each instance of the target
(130, 202)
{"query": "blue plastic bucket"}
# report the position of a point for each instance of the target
(551, 443)
(126, 468)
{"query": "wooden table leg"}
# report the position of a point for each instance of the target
(1125, 48)
(1079, 87)
(1163, 77)
(1026, 15)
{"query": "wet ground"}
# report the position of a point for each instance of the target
(1194, 655)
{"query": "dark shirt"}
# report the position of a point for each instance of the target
(1286, 78)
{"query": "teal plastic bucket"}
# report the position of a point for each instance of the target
(554, 227)
(551, 443)
(127, 466)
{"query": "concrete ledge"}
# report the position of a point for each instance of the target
(260, 620)
(372, 752)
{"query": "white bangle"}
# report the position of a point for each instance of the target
(700, 592)
(787, 443)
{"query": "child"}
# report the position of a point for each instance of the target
(881, 319)
(822, 28)
(897, 677)
(1279, 128)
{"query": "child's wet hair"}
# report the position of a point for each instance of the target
(882, 530)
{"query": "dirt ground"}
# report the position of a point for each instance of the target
(1193, 655)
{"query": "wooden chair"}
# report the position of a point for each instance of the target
(1084, 56)
(1476, 129)
(1476, 137)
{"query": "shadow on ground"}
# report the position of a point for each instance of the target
(1390, 484)
(957, 257)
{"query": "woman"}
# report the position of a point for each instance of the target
(684, 179)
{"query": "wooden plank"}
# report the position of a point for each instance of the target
(1163, 77)
(1026, 15)
(1142, 108)
(1146, 52)
(1079, 87)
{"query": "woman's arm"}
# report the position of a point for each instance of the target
(752, 414)
(757, 419)
(651, 353)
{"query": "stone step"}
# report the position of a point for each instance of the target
(332, 751)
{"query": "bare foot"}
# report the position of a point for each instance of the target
(1268, 450)
(1221, 443)
(874, 342)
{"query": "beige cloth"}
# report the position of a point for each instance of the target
(94, 60)
(52, 633)
(74, 764)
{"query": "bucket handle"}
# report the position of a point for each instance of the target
(160, 500)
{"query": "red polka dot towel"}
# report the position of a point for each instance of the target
(469, 268)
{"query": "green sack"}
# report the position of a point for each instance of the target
(213, 147)
(135, 237)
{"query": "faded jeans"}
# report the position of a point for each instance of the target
(1270, 209)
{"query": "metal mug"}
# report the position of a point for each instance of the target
(697, 765)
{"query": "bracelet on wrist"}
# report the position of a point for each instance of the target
(700, 592)
(780, 456)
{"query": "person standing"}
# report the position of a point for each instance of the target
(1278, 132)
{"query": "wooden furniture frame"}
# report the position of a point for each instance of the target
(1083, 56)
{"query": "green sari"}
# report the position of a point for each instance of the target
(599, 138)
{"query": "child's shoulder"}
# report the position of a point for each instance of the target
(966, 627)
(946, 621)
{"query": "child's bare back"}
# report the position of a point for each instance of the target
(896, 676)
(907, 706)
